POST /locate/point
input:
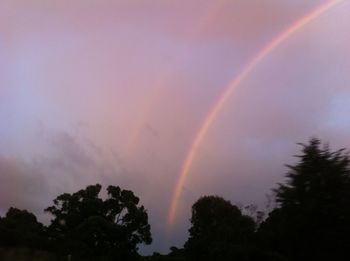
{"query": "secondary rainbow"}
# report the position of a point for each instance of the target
(263, 52)
(211, 13)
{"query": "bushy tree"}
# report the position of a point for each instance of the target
(85, 225)
(20, 228)
(312, 220)
(218, 231)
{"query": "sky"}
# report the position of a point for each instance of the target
(116, 93)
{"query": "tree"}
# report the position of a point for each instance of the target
(85, 225)
(312, 220)
(20, 228)
(218, 229)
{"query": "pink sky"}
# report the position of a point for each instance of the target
(115, 91)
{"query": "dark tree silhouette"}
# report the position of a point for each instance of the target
(219, 230)
(85, 225)
(312, 220)
(20, 228)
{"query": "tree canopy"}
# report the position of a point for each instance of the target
(20, 228)
(312, 220)
(84, 225)
(218, 227)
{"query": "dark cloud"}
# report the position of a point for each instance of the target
(23, 185)
(68, 165)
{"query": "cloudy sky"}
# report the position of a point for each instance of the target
(115, 92)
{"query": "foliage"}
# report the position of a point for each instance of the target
(87, 226)
(24, 254)
(312, 221)
(20, 228)
(218, 229)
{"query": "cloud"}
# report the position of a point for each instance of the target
(71, 163)
(22, 185)
(68, 165)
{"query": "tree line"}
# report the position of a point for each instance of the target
(310, 221)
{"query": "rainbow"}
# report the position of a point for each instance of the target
(262, 53)
(160, 86)
(143, 117)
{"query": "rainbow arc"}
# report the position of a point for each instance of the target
(228, 91)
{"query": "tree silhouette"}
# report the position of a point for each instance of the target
(312, 221)
(218, 231)
(20, 228)
(85, 225)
